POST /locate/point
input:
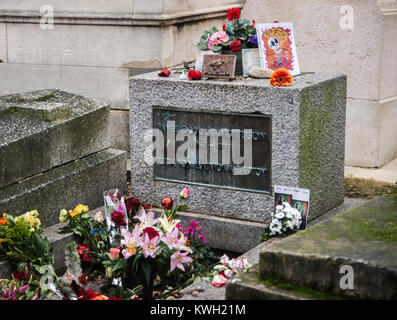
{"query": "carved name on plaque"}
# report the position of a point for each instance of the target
(219, 149)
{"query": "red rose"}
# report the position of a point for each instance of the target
(194, 75)
(233, 13)
(132, 204)
(164, 73)
(21, 275)
(235, 45)
(82, 250)
(224, 27)
(118, 218)
(167, 203)
(151, 232)
(147, 206)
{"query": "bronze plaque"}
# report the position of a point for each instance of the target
(216, 141)
(219, 66)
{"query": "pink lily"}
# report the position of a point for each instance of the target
(172, 239)
(149, 246)
(178, 259)
(131, 240)
(23, 288)
(146, 219)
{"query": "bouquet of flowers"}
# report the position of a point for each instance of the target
(227, 269)
(91, 231)
(238, 34)
(22, 242)
(22, 286)
(285, 219)
(154, 248)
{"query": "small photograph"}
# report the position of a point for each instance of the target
(300, 201)
(282, 194)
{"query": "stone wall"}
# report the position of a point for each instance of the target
(365, 53)
(96, 45)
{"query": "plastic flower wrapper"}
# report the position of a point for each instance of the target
(116, 217)
(115, 213)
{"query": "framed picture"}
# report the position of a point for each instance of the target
(298, 198)
(251, 58)
(277, 46)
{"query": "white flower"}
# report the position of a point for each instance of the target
(225, 259)
(280, 215)
(99, 216)
(233, 264)
(228, 273)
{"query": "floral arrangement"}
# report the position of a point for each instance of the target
(227, 268)
(92, 233)
(22, 286)
(234, 36)
(281, 78)
(22, 242)
(152, 248)
(141, 250)
(285, 219)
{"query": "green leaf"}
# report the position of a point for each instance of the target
(120, 264)
(217, 48)
(183, 208)
(229, 29)
(202, 45)
(147, 269)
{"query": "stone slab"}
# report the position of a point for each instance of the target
(203, 290)
(364, 238)
(249, 286)
(308, 138)
(81, 181)
(44, 129)
(226, 234)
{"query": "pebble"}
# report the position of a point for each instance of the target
(260, 72)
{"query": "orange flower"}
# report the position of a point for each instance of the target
(2, 221)
(100, 297)
(281, 78)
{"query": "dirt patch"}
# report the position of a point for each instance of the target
(367, 189)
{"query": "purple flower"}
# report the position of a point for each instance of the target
(253, 40)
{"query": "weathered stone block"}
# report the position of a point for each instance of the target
(307, 139)
(364, 239)
(82, 181)
(44, 129)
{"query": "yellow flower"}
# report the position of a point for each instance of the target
(30, 218)
(72, 213)
(85, 209)
(79, 209)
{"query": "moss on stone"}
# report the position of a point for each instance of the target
(377, 222)
(45, 97)
(282, 284)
